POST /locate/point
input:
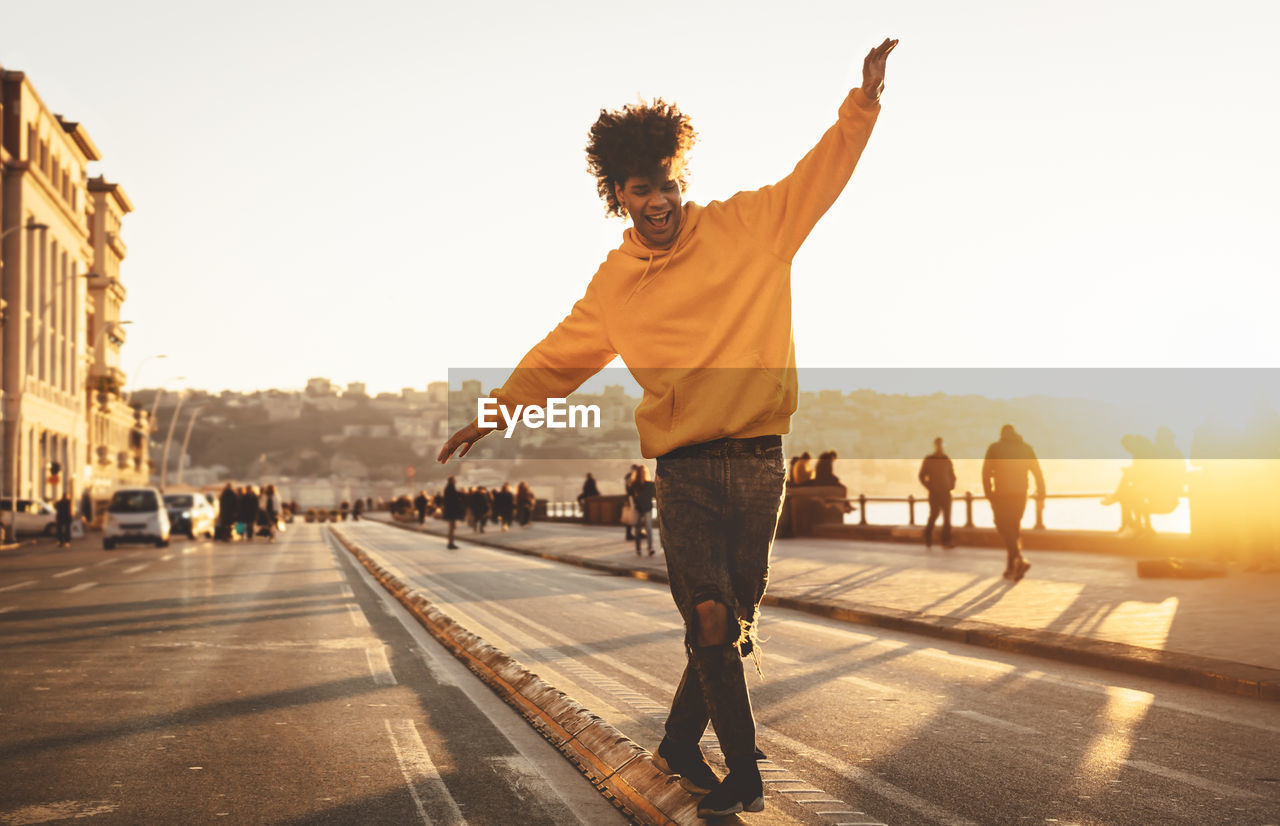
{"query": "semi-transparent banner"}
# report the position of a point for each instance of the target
(874, 413)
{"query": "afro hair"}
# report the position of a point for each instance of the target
(637, 139)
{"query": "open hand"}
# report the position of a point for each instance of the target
(464, 438)
(873, 69)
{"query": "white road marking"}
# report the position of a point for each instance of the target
(166, 558)
(379, 666)
(18, 585)
(58, 810)
(358, 619)
(1034, 675)
(110, 561)
(871, 684)
(420, 774)
(133, 569)
(993, 721)
(1190, 779)
(83, 586)
(68, 572)
(6, 609)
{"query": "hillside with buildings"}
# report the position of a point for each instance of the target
(327, 444)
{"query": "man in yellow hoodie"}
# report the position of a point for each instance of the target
(697, 301)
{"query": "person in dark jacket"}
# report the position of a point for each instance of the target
(525, 502)
(420, 504)
(643, 492)
(249, 511)
(63, 510)
(1004, 482)
(504, 506)
(228, 512)
(455, 508)
(357, 509)
(938, 476)
(589, 489)
(480, 505)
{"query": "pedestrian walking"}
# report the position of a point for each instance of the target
(455, 508)
(1005, 469)
(228, 512)
(628, 510)
(248, 515)
(420, 504)
(479, 506)
(356, 510)
(716, 280)
(269, 510)
(642, 499)
(938, 476)
(504, 506)
(63, 511)
(525, 501)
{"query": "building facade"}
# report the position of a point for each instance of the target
(56, 342)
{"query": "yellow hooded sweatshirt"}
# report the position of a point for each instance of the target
(704, 327)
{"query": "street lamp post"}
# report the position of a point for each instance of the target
(168, 439)
(128, 397)
(191, 422)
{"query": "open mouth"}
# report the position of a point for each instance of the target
(659, 222)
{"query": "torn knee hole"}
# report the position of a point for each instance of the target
(713, 622)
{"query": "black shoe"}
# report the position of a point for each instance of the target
(696, 777)
(451, 547)
(741, 791)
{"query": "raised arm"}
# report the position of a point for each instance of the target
(785, 213)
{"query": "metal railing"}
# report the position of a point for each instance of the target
(565, 510)
(968, 498)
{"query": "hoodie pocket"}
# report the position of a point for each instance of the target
(716, 402)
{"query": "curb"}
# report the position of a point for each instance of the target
(1194, 670)
(617, 766)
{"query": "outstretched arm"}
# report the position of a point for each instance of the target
(784, 214)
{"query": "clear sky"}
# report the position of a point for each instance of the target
(381, 191)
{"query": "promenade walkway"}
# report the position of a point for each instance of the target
(1086, 608)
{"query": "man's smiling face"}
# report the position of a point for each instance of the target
(653, 202)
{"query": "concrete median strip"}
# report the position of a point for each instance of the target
(1185, 669)
(617, 766)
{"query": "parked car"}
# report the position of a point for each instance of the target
(34, 516)
(136, 515)
(190, 514)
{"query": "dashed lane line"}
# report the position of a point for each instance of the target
(18, 585)
(110, 561)
(133, 569)
(1190, 779)
(6, 609)
(421, 775)
(979, 717)
(1075, 683)
(83, 586)
(379, 665)
(68, 572)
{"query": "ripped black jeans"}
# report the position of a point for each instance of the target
(718, 506)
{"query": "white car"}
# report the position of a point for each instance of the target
(136, 515)
(34, 516)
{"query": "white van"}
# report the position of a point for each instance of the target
(136, 515)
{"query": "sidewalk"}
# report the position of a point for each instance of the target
(1089, 609)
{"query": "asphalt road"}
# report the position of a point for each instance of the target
(248, 683)
(864, 726)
